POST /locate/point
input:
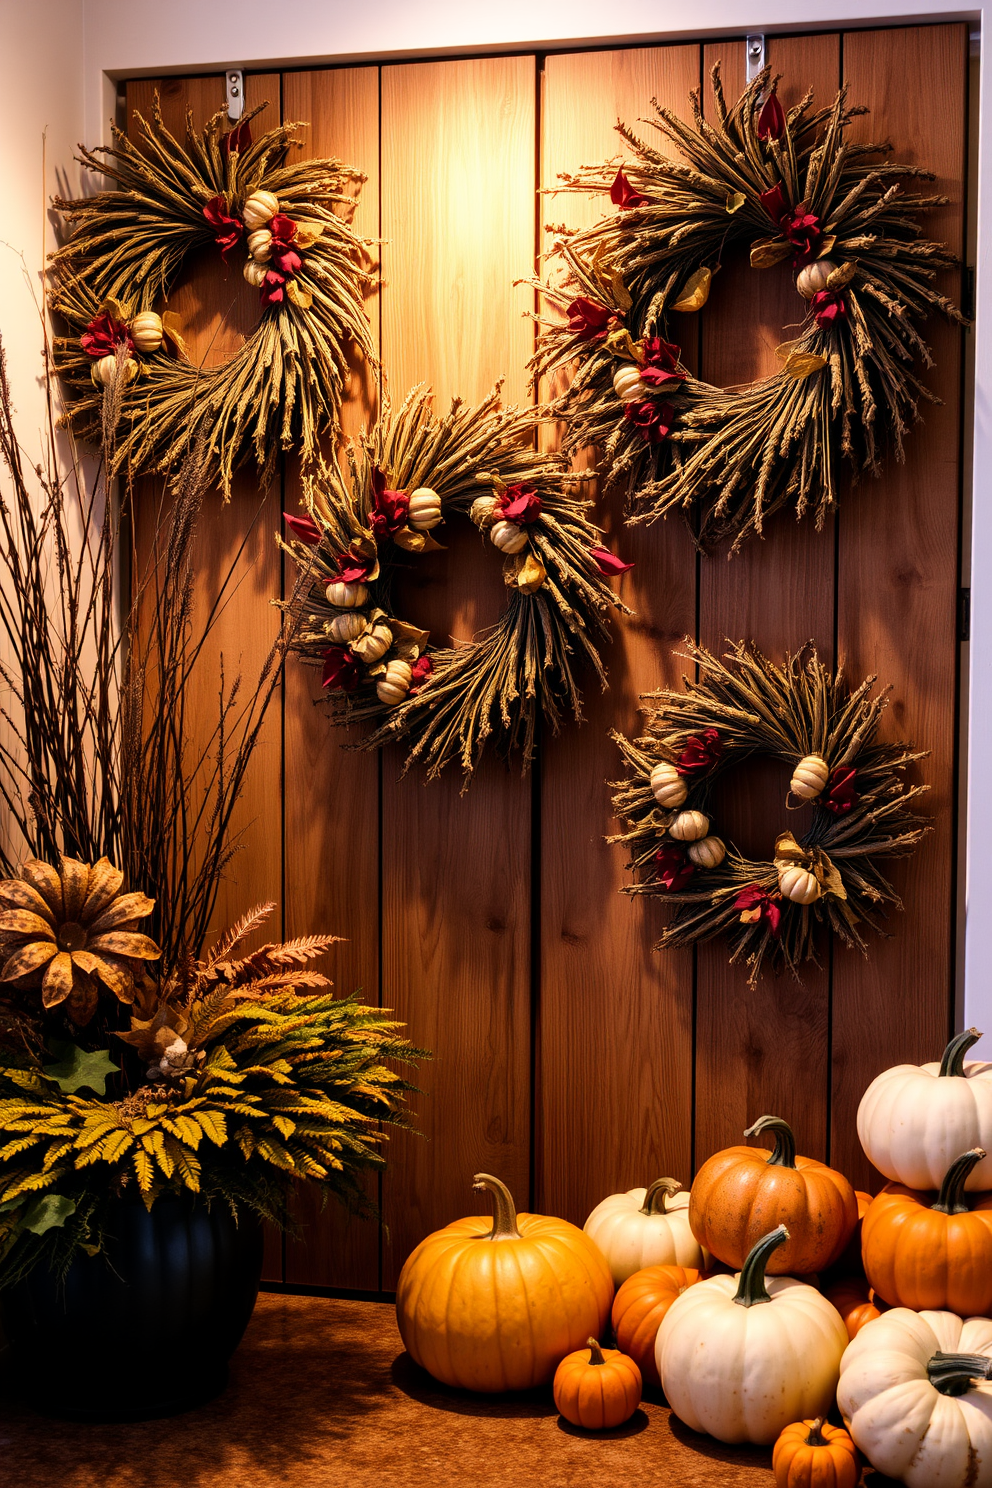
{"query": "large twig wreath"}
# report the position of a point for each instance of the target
(854, 785)
(123, 359)
(409, 474)
(790, 187)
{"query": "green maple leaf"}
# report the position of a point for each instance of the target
(76, 1069)
(47, 1213)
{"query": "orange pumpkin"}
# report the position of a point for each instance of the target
(639, 1307)
(494, 1307)
(811, 1454)
(849, 1264)
(933, 1254)
(856, 1302)
(742, 1193)
(597, 1388)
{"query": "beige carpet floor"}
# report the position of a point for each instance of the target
(322, 1394)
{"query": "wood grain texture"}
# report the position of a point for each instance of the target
(615, 1054)
(458, 174)
(778, 593)
(330, 792)
(897, 599)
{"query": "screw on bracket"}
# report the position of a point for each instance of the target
(235, 94)
(754, 45)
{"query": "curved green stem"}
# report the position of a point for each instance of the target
(661, 1190)
(952, 1374)
(784, 1155)
(751, 1288)
(815, 1437)
(504, 1209)
(595, 1352)
(951, 1199)
(952, 1061)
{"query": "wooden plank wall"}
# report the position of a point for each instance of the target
(570, 1058)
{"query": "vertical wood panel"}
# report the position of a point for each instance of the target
(615, 1062)
(779, 593)
(331, 793)
(458, 163)
(898, 595)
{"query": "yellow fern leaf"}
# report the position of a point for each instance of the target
(144, 1168)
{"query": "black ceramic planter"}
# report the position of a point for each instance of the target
(145, 1330)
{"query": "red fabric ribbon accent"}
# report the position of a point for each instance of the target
(774, 202)
(771, 120)
(660, 366)
(420, 671)
(589, 321)
(342, 669)
(700, 753)
(757, 906)
(520, 504)
(352, 568)
(608, 563)
(653, 421)
(272, 290)
(840, 797)
(625, 196)
(103, 335)
(804, 232)
(389, 508)
(285, 262)
(827, 306)
(238, 138)
(674, 868)
(228, 230)
(305, 528)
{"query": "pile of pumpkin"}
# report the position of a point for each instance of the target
(767, 1296)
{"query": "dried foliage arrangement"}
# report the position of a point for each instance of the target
(408, 474)
(789, 187)
(123, 360)
(854, 787)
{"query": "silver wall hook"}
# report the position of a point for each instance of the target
(236, 93)
(754, 52)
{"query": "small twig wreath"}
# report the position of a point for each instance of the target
(829, 875)
(789, 187)
(123, 361)
(406, 476)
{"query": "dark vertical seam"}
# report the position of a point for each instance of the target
(282, 711)
(536, 859)
(379, 752)
(697, 620)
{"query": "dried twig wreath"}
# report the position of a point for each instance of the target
(408, 474)
(789, 187)
(807, 717)
(124, 363)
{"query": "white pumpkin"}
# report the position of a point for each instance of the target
(667, 786)
(689, 826)
(798, 884)
(146, 331)
(255, 273)
(347, 627)
(104, 371)
(346, 596)
(508, 536)
(914, 1120)
(425, 509)
(482, 510)
(627, 383)
(709, 852)
(811, 279)
(741, 1357)
(259, 209)
(809, 777)
(915, 1396)
(645, 1227)
(373, 643)
(394, 684)
(260, 244)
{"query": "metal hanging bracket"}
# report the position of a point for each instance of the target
(754, 50)
(236, 91)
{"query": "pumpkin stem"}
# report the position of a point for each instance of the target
(595, 1352)
(952, 1062)
(951, 1199)
(784, 1155)
(655, 1197)
(952, 1374)
(751, 1288)
(816, 1438)
(504, 1209)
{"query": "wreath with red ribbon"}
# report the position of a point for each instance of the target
(130, 384)
(788, 187)
(851, 786)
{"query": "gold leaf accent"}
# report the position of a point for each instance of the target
(118, 309)
(301, 298)
(621, 345)
(171, 326)
(800, 364)
(695, 291)
(735, 201)
(410, 541)
(841, 275)
(531, 574)
(404, 632)
(769, 251)
(307, 233)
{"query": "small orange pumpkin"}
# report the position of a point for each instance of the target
(856, 1302)
(932, 1254)
(597, 1388)
(811, 1454)
(638, 1309)
(743, 1193)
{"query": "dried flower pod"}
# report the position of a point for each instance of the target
(146, 331)
(508, 537)
(104, 371)
(799, 885)
(425, 509)
(482, 510)
(667, 786)
(346, 596)
(809, 777)
(373, 643)
(260, 244)
(627, 383)
(259, 209)
(347, 628)
(689, 826)
(394, 684)
(254, 273)
(813, 278)
(708, 852)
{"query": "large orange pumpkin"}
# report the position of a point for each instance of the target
(597, 1388)
(811, 1454)
(497, 1306)
(742, 1193)
(933, 1254)
(849, 1264)
(856, 1302)
(639, 1307)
